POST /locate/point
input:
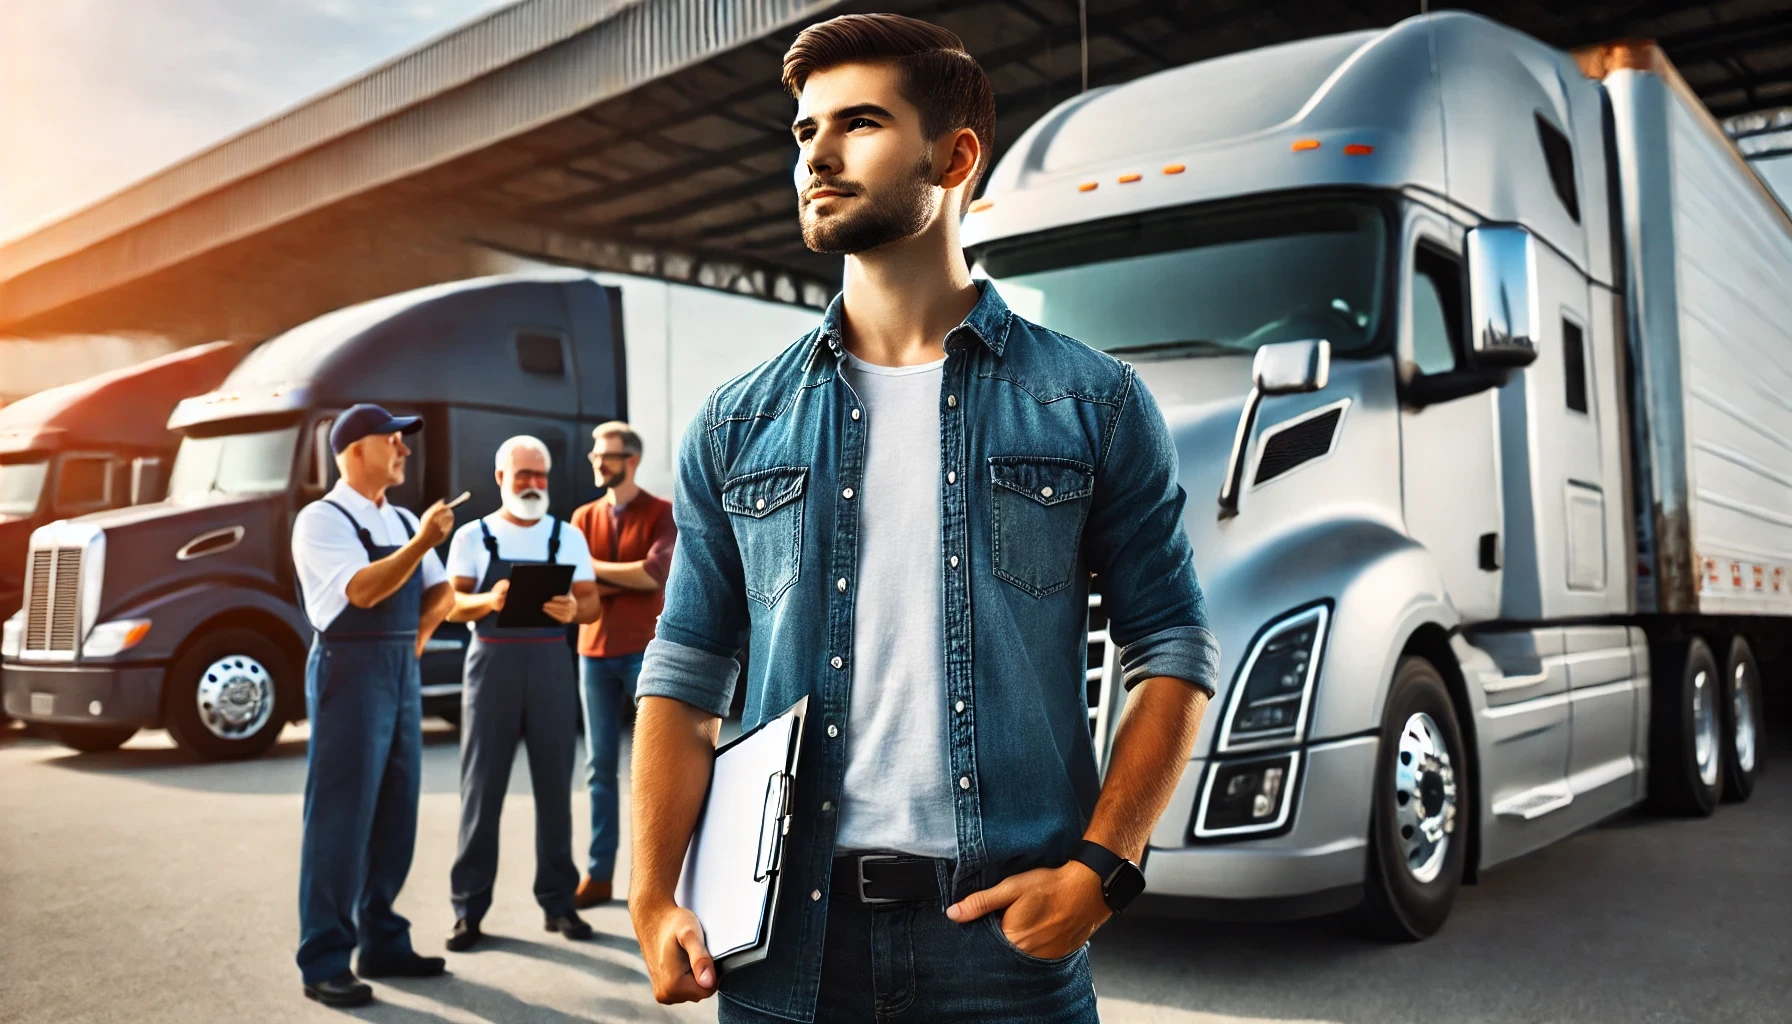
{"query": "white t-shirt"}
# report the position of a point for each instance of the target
(327, 552)
(897, 793)
(467, 555)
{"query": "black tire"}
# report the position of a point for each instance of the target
(92, 739)
(1684, 677)
(1403, 901)
(1744, 722)
(261, 667)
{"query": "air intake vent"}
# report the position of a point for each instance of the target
(1294, 445)
(53, 601)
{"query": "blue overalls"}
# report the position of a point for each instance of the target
(517, 683)
(363, 773)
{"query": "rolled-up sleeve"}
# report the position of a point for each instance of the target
(691, 657)
(1140, 553)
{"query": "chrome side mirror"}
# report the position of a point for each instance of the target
(1284, 368)
(1292, 367)
(147, 482)
(1502, 299)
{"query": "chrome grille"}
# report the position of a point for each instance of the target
(1099, 680)
(53, 601)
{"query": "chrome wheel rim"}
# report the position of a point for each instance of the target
(1424, 797)
(1704, 729)
(1742, 707)
(235, 697)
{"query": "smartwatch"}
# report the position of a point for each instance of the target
(1121, 879)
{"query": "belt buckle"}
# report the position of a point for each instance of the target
(859, 862)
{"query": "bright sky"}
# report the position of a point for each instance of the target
(96, 94)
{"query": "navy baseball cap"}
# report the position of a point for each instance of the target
(369, 420)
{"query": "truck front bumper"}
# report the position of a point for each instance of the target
(84, 694)
(1315, 867)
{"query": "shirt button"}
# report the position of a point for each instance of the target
(951, 401)
(954, 561)
(855, 414)
(833, 731)
(1045, 491)
(837, 662)
(951, 476)
(814, 895)
(964, 782)
(840, 584)
(759, 504)
(847, 494)
(827, 805)
(959, 707)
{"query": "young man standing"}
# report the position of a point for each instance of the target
(901, 513)
(630, 534)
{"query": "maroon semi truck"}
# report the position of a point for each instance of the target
(95, 444)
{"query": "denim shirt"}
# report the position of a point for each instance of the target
(1055, 464)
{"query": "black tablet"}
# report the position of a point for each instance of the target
(532, 584)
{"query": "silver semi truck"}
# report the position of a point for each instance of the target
(1478, 357)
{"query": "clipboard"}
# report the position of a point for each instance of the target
(532, 584)
(733, 869)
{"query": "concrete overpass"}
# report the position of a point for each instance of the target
(648, 136)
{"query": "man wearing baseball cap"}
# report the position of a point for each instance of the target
(373, 588)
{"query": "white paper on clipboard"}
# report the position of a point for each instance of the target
(731, 870)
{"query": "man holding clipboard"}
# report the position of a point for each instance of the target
(520, 576)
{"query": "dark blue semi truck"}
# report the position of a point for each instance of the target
(182, 614)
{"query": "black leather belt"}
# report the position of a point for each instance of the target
(885, 878)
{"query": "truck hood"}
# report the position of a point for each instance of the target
(160, 548)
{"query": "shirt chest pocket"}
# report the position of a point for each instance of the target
(766, 509)
(1037, 507)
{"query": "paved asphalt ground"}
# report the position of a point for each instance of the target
(140, 887)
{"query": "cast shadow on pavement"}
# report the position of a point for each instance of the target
(280, 770)
(567, 954)
(495, 1004)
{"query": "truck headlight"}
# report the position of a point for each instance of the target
(1269, 705)
(115, 637)
(1249, 796)
(12, 635)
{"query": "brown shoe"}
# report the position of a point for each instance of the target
(591, 893)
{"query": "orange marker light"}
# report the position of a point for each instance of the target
(982, 204)
(1358, 149)
(1127, 179)
(1087, 186)
(1304, 144)
(1174, 168)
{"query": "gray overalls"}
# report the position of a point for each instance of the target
(518, 683)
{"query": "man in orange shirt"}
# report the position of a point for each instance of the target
(630, 534)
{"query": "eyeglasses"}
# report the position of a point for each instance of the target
(610, 456)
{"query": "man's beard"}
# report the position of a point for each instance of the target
(614, 478)
(528, 505)
(897, 213)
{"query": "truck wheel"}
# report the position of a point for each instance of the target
(1743, 722)
(1418, 829)
(1686, 761)
(221, 700)
(92, 739)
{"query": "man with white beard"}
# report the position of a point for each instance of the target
(517, 683)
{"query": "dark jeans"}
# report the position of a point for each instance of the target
(903, 962)
(604, 682)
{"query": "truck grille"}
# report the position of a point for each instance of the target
(53, 601)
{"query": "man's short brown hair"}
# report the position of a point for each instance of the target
(938, 75)
(631, 441)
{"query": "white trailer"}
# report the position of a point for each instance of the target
(1477, 354)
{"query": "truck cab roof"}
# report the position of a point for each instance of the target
(507, 333)
(125, 408)
(1363, 110)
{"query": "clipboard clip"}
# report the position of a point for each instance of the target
(776, 815)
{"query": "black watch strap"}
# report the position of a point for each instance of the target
(1121, 879)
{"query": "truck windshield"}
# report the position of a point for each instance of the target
(21, 485)
(1195, 283)
(256, 463)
